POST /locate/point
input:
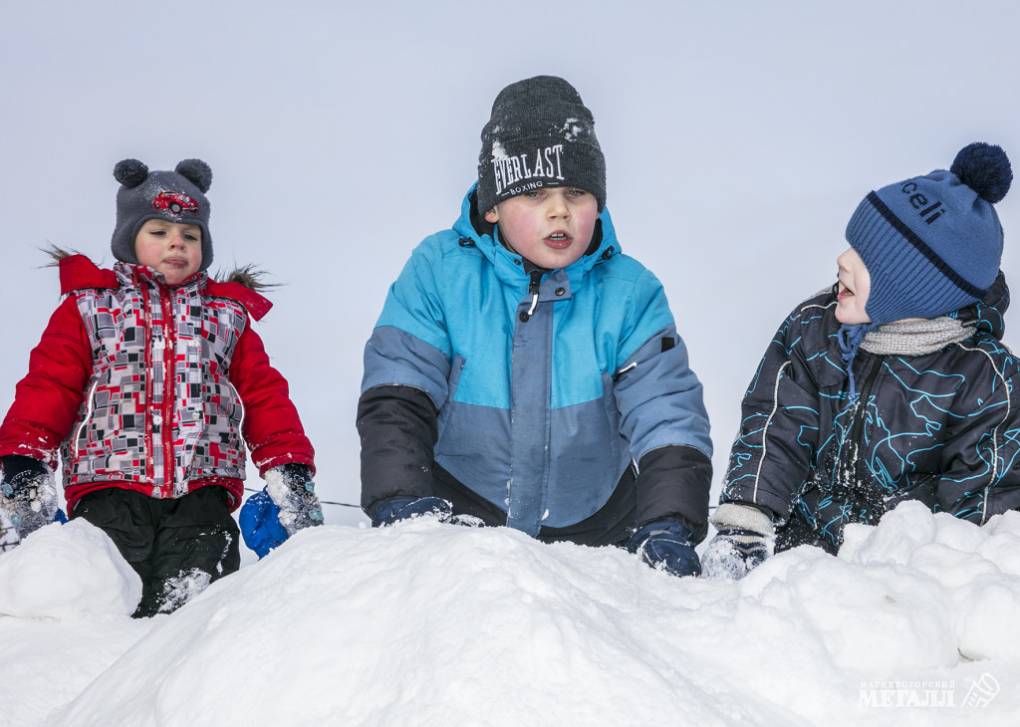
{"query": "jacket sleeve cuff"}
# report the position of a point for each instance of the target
(273, 462)
(674, 481)
(398, 429)
(743, 517)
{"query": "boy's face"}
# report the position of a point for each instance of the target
(551, 227)
(170, 248)
(854, 288)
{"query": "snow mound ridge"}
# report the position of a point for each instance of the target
(426, 624)
(977, 570)
(67, 572)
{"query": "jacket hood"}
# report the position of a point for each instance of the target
(509, 266)
(77, 272)
(988, 314)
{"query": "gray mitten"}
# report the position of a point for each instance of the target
(746, 538)
(28, 494)
(291, 489)
(9, 538)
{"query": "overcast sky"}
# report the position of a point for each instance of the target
(739, 137)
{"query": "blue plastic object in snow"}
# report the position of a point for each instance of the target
(260, 524)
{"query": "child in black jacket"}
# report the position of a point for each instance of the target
(892, 385)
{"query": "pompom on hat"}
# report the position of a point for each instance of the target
(177, 196)
(933, 244)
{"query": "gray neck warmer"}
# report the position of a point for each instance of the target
(916, 336)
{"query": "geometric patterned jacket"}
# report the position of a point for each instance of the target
(150, 388)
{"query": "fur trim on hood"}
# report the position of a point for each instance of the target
(249, 276)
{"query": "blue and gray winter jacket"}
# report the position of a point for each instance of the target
(540, 387)
(942, 428)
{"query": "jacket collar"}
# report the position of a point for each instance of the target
(77, 272)
(129, 274)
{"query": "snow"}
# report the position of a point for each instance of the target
(571, 128)
(430, 624)
(65, 597)
(69, 571)
(49, 663)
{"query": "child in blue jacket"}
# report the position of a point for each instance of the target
(524, 371)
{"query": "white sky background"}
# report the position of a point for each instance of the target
(738, 138)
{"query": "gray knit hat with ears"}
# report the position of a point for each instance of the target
(177, 196)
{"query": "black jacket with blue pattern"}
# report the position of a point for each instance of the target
(942, 428)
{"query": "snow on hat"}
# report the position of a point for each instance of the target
(933, 244)
(177, 196)
(540, 134)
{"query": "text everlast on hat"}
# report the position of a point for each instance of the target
(177, 196)
(540, 134)
(933, 244)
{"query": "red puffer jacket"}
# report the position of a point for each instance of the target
(149, 388)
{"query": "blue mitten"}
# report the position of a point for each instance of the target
(260, 524)
(666, 545)
(395, 509)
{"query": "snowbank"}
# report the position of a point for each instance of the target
(425, 624)
(70, 571)
(973, 573)
(48, 663)
(65, 596)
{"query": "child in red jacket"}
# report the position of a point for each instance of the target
(146, 377)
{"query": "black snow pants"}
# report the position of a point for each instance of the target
(177, 546)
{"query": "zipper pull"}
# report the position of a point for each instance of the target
(536, 280)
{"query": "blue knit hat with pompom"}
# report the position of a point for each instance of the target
(933, 244)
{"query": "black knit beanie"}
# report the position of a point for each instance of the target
(177, 196)
(540, 134)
